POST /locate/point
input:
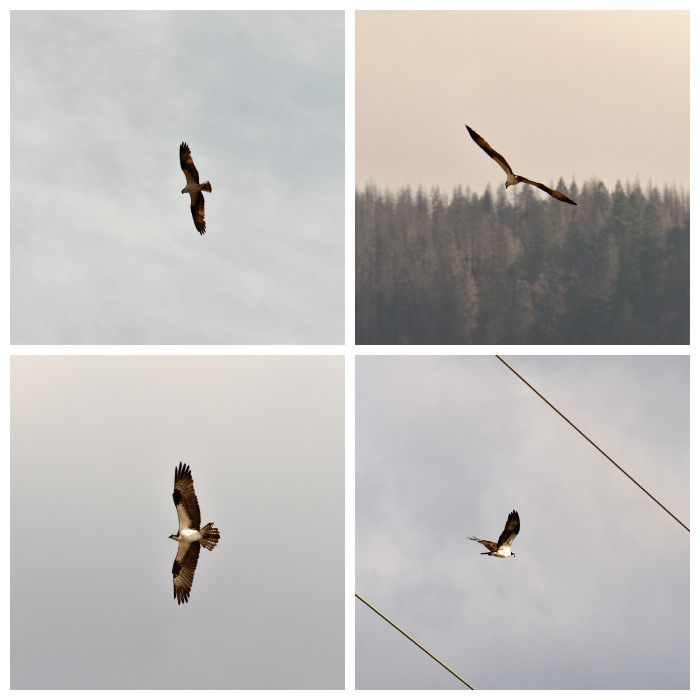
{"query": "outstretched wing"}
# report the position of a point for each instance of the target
(493, 154)
(511, 530)
(183, 570)
(197, 209)
(187, 165)
(491, 546)
(557, 195)
(186, 500)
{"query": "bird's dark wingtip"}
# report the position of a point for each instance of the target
(472, 133)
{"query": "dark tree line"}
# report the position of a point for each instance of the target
(470, 269)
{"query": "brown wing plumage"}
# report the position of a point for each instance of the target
(557, 195)
(197, 209)
(183, 570)
(186, 499)
(491, 546)
(481, 142)
(511, 529)
(187, 164)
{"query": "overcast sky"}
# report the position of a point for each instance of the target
(95, 443)
(597, 596)
(104, 249)
(577, 95)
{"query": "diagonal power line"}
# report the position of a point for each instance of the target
(414, 641)
(608, 457)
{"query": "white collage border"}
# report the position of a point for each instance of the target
(349, 350)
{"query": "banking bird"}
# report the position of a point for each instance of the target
(512, 178)
(502, 547)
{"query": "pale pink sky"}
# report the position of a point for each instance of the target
(559, 94)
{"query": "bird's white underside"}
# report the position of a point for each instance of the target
(188, 536)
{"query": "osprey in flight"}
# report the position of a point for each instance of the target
(502, 547)
(189, 534)
(194, 188)
(513, 179)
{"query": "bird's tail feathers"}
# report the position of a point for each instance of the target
(206, 186)
(210, 536)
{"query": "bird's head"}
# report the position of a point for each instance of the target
(183, 191)
(172, 537)
(506, 185)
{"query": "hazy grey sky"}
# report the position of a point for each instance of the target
(95, 441)
(104, 249)
(579, 95)
(598, 593)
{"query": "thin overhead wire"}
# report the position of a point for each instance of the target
(414, 641)
(608, 457)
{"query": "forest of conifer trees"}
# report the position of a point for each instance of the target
(470, 269)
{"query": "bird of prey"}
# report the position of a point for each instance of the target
(194, 188)
(189, 535)
(512, 178)
(502, 547)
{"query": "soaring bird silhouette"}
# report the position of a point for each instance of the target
(512, 178)
(189, 535)
(193, 188)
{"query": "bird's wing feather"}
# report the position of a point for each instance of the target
(557, 195)
(487, 149)
(183, 570)
(185, 498)
(187, 165)
(491, 546)
(511, 529)
(197, 209)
